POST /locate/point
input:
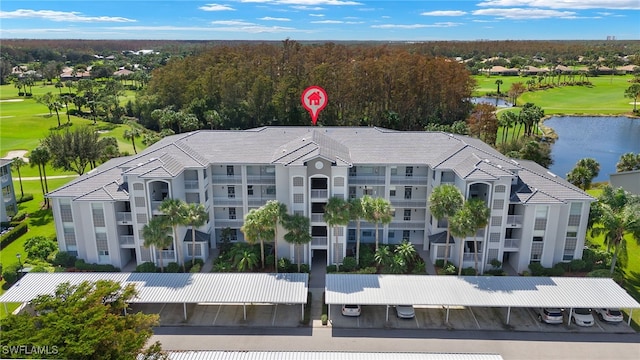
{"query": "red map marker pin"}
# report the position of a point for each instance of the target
(314, 99)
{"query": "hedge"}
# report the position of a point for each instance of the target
(25, 198)
(81, 265)
(13, 234)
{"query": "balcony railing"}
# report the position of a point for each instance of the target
(260, 200)
(400, 224)
(319, 240)
(512, 243)
(514, 220)
(319, 194)
(401, 179)
(155, 205)
(362, 180)
(219, 201)
(317, 217)
(126, 240)
(261, 179)
(191, 184)
(226, 179)
(229, 222)
(408, 203)
(123, 216)
(471, 257)
(166, 254)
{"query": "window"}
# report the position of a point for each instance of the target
(408, 171)
(250, 190)
(138, 201)
(98, 215)
(442, 223)
(407, 192)
(204, 173)
(231, 192)
(338, 181)
(233, 235)
(536, 252)
(65, 212)
(572, 234)
(367, 191)
(230, 170)
(298, 198)
(492, 254)
(392, 191)
(141, 218)
(232, 213)
(394, 170)
(271, 190)
(496, 221)
(392, 234)
(352, 192)
(500, 188)
(298, 212)
(498, 204)
(538, 238)
(352, 234)
(406, 234)
(540, 224)
(407, 214)
(138, 187)
(494, 237)
(353, 171)
(206, 195)
(298, 181)
(448, 177)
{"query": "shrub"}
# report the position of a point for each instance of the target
(367, 270)
(188, 264)
(25, 198)
(331, 269)
(577, 265)
(40, 247)
(39, 269)
(468, 271)
(367, 256)
(440, 263)
(284, 264)
(195, 268)
(269, 260)
(496, 263)
(10, 273)
(81, 265)
(173, 267)
(325, 319)
(63, 258)
(499, 272)
(349, 264)
(18, 217)
(419, 268)
(146, 267)
(450, 269)
(304, 268)
(596, 259)
(536, 269)
(222, 265)
(556, 270)
(13, 234)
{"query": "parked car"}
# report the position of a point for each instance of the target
(610, 315)
(351, 310)
(405, 311)
(582, 317)
(550, 315)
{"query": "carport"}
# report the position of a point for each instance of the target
(477, 291)
(153, 288)
(324, 355)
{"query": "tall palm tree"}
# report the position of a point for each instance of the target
(298, 233)
(356, 213)
(617, 214)
(255, 229)
(18, 162)
(336, 214)
(461, 226)
(480, 214)
(499, 82)
(195, 215)
(628, 162)
(274, 213)
(377, 211)
(633, 92)
(444, 202)
(40, 157)
(173, 210)
(156, 234)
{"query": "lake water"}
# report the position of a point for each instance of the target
(497, 102)
(604, 138)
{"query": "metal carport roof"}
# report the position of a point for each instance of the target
(481, 291)
(218, 288)
(302, 355)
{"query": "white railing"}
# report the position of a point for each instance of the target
(229, 222)
(126, 240)
(226, 179)
(400, 224)
(514, 220)
(122, 216)
(366, 179)
(317, 217)
(322, 194)
(261, 179)
(401, 179)
(191, 184)
(512, 243)
(217, 201)
(408, 203)
(166, 254)
(319, 240)
(260, 200)
(471, 257)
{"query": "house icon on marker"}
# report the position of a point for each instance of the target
(314, 98)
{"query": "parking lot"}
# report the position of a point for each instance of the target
(465, 318)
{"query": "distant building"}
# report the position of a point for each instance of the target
(628, 180)
(535, 215)
(9, 205)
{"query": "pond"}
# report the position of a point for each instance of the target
(497, 102)
(604, 138)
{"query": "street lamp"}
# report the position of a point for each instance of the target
(20, 263)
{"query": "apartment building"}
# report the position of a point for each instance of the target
(9, 206)
(535, 215)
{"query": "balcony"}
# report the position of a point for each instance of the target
(226, 179)
(512, 244)
(408, 203)
(408, 180)
(191, 184)
(232, 223)
(259, 200)
(261, 179)
(471, 257)
(319, 194)
(366, 180)
(403, 225)
(123, 217)
(224, 201)
(166, 255)
(514, 220)
(317, 217)
(319, 241)
(126, 240)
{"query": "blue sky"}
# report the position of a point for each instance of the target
(418, 20)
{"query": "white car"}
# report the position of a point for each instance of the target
(610, 315)
(550, 316)
(351, 310)
(405, 311)
(582, 317)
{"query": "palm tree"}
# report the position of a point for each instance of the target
(256, 229)
(245, 260)
(628, 162)
(132, 134)
(499, 82)
(356, 214)
(617, 214)
(274, 212)
(173, 210)
(632, 92)
(480, 214)
(444, 202)
(407, 251)
(156, 234)
(298, 227)
(336, 214)
(40, 157)
(195, 215)
(508, 119)
(461, 226)
(583, 173)
(18, 162)
(377, 211)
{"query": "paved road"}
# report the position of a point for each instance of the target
(511, 345)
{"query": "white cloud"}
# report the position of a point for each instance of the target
(60, 16)
(216, 7)
(232, 23)
(567, 4)
(327, 22)
(444, 13)
(523, 13)
(308, 8)
(226, 26)
(317, 15)
(304, 2)
(415, 26)
(269, 18)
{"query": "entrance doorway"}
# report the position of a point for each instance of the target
(318, 268)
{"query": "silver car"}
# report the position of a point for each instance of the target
(582, 317)
(351, 310)
(405, 311)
